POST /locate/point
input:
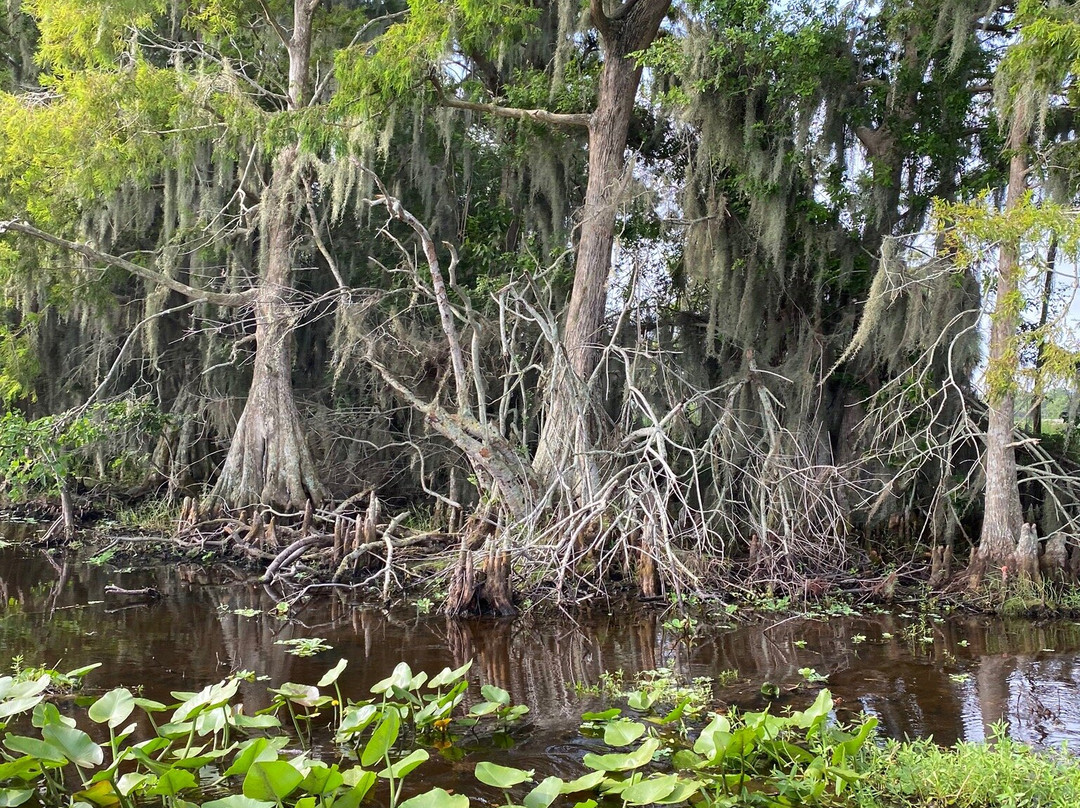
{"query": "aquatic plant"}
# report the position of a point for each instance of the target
(204, 745)
(1001, 773)
(660, 688)
(752, 759)
(305, 646)
(208, 731)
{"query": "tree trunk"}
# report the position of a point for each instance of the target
(569, 427)
(1040, 359)
(1002, 514)
(269, 462)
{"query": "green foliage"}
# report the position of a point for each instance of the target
(661, 689)
(1005, 774)
(43, 455)
(735, 759)
(397, 67)
(79, 34)
(305, 646)
(1040, 63)
(747, 759)
(97, 133)
(19, 364)
(974, 232)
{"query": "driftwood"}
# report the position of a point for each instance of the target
(326, 537)
(290, 554)
(147, 592)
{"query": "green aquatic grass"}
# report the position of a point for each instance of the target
(1001, 774)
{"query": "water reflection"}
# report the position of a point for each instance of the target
(952, 678)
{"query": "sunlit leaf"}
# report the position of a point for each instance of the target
(447, 676)
(172, 782)
(606, 715)
(382, 738)
(619, 762)
(132, 781)
(402, 767)
(649, 791)
(113, 708)
(101, 794)
(75, 744)
(257, 749)
(436, 798)
(14, 797)
(587, 782)
(24, 768)
(492, 774)
(545, 793)
(271, 780)
(46, 713)
(321, 780)
(238, 801)
(332, 675)
(622, 733)
(495, 694)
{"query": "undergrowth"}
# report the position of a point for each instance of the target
(1001, 774)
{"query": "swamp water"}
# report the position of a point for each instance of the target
(920, 675)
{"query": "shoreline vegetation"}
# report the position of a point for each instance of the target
(317, 552)
(315, 747)
(553, 300)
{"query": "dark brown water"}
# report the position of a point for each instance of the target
(920, 674)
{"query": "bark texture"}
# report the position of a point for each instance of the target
(1002, 514)
(269, 462)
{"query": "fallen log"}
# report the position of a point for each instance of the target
(147, 592)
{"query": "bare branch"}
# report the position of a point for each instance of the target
(316, 234)
(442, 300)
(282, 34)
(230, 299)
(577, 119)
(123, 350)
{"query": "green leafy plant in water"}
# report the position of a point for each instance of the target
(305, 646)
(208, 730)
(685, 626)
(747, 759)
(770, 603)
(102, 558)
(999, 774)
(756, 759)
(660, 689)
